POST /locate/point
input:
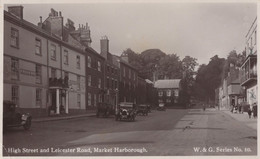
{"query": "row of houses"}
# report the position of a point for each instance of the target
(240, 86)
(52, 65)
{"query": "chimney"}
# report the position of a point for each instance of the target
(40, 23)
(16, 10)
(104, 45)
(70, 25)
(124, 57)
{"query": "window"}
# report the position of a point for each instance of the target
(95, 100)
(89, 80)
(134, 76)
(124, 71)
(107, 82)
(66, 57)
(176, 93)
(169, 93)
(168, 101)
(14, 38)
(53, 73)
(38, 47)
(78, 100)
(78, 61)
(116, 84)
(100, 98)
(99, 66)
(53, 52)
(15, 94)
(38, 73)
(99, 83)
(14, 69)
(78, 82)
(129, 75)
(160, 93)
(66, 75)
(89, 61)
(108, 69)
(38, 97)
(129, 85)
(89, 99)
(112, 84)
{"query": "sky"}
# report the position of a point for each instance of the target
(200, 30)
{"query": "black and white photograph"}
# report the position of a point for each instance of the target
(129, 78)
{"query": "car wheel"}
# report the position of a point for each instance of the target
(27, 124)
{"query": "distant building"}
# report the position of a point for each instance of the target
(248, 78)
(168, 91)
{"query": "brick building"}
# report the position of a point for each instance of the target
(111, 74)
(168, 91)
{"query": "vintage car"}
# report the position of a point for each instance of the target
(161, 107)
(126, 111)
(13, 118)
(105, 110)
(143, 109)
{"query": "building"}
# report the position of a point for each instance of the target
(168, 91)
(111, 74)
(128, 81)
(95, 70)
(248, 78)
(41, 69)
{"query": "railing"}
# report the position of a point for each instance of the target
(55, 82)
(248, 76)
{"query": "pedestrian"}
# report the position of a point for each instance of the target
(232, 108)
(240, 108)
(254, 110)
(236, 109)
(204, 107)
(249, 112)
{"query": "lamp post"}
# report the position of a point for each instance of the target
(116, 100)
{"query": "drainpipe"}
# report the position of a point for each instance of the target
(48, 90)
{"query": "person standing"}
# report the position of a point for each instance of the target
(249, 112)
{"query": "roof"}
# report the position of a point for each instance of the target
(169, 83)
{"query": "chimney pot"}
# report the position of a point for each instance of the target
(60, 13)
(40, 19)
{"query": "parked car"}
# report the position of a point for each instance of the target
(126, 111)
(161, 106)
(13, 118)
(105, 110)
(142, 109)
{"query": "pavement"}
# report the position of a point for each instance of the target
(244, 118)
(63, 117)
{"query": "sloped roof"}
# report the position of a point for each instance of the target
(169, 83)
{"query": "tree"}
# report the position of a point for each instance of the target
(208, 78)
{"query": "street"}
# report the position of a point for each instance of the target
(174, 132)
